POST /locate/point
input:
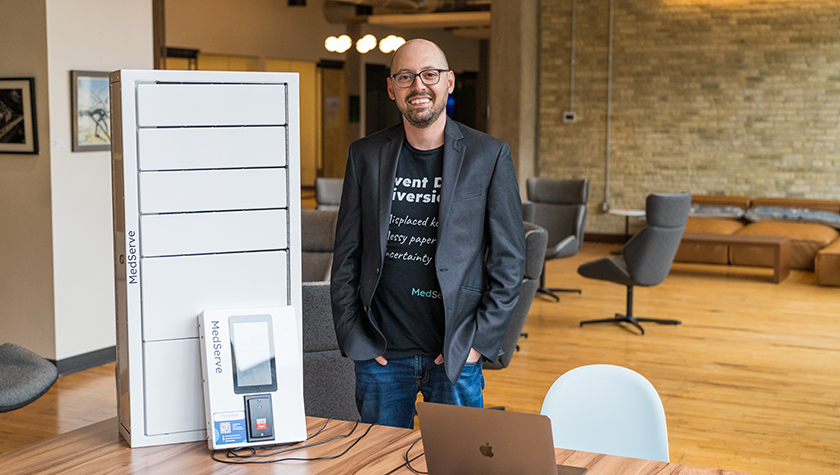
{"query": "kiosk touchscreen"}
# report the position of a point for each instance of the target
(252, 351)
(253, 388)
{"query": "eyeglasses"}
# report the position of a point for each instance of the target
(430, 77)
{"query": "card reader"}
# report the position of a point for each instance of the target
(260, 417)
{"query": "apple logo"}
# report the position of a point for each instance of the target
(486, 450)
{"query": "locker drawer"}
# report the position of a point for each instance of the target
(212, 190)
(177, 289)
(206, 233)
(174, 391)
(173, 105)
(222, 147)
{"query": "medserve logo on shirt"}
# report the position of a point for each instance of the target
(432, 294)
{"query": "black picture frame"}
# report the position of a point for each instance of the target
(18, 124)
(91, 112)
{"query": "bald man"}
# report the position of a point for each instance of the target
(429, 249)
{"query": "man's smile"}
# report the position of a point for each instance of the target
(420, 101)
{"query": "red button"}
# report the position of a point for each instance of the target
(261, 424)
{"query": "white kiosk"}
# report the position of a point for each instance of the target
(206, 193)
(248, 357)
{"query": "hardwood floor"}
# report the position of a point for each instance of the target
(749, 381)
(75, 401)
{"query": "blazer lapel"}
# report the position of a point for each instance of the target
(453, 158)
(388, 157)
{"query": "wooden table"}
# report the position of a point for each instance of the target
(98, 448)
(778, 245)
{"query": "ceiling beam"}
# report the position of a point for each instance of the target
(433, 20)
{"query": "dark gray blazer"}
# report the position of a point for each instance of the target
(480, 251)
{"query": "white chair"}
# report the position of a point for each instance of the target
(609, 410)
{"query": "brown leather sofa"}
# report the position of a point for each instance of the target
(814, 246)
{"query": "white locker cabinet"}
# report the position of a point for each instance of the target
(204, 233)
(211, 190)
(206, 196)
(214, 148)
(216, 104)
(173, 415)
(215, 281)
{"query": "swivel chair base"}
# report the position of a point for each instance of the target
(550, 292)
(633, 321)
(542, 289)
(629, 318)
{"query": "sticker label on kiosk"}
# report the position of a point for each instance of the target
(229, 428)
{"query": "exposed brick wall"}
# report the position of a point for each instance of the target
(738, 97)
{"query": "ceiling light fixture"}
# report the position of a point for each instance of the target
(338, 45)
(366, 43)
(391, 43)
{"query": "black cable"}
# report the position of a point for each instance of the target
(407, 461)
(321, 429)
(231, 453)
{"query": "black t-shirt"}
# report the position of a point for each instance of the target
(408, 304)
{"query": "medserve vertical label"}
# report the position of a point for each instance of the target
(133, 267)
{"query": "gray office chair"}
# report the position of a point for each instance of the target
(535, 239)
(328, 192)
(317, 235)
(647, 257)
(24, 376)
(558, 206)
(329, 379)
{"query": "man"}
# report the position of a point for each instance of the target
(429, 250)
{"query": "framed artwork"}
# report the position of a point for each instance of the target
(91, 111)
(18, 127)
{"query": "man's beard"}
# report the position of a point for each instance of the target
(425, 118)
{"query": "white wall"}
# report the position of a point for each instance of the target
(26, 281)
(90, 35)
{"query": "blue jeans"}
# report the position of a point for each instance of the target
(386, 394)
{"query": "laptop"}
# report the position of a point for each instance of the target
(466, 440)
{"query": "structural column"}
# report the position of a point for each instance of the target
(512, 97)
(353, 82)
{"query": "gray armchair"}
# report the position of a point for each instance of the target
(647, 257)
(328, 192)
(317, 235)
(558, 206)
(24, 376)
(329, 379)
(535, 239)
